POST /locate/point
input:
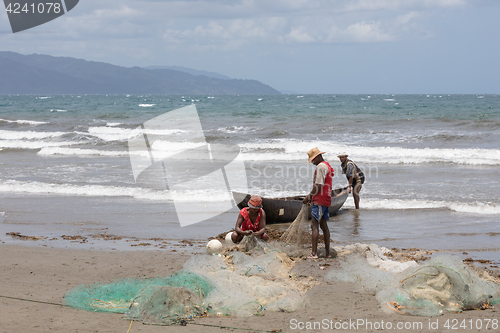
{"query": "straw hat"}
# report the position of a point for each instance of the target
(313, 153)
(342, 155)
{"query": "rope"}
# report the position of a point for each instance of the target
(31, 300)
(235, 328)
(131, 322)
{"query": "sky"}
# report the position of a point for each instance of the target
(295, 46)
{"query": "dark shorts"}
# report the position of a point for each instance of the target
(325, 213)
(355, 182)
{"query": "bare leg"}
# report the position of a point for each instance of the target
(355, 195)
(326, 234)
(236, 237)
(315, 237)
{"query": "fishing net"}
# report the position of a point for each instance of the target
(233, 284)
(177, 294)
(250, 284)
(165, 305)
(442, 284)
(298, 232)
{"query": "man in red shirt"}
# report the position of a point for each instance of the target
(251, 221)
(321, 198)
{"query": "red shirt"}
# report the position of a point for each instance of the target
(247, 223)
(324, 196)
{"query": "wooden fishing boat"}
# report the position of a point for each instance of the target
(283, 210)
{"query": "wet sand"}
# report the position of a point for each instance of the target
(34, 280)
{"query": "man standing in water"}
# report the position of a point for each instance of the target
(321, 197)
(354, 176)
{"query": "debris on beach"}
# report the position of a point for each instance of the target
(274, 235)
(108, 237)
(141, 244)
(24, 237)
(77, 238)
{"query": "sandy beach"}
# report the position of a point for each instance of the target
(35, 279)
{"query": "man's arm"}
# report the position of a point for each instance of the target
(350, 175)
(237, 228)
(316, 188)
(350, 184)
(262, 224)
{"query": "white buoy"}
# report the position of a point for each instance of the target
(214, 246)
(229, 241)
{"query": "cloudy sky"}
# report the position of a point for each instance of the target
(301, 46)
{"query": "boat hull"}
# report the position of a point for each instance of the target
(284, 210)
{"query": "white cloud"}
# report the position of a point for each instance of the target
(299, 34)
(228, 25)
(250, 21)
(122, 12)
(241, 30)
(377, 5)
(366, 32)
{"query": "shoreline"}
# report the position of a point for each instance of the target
(484, 258)
(32, 275)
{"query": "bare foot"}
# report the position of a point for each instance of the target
(312, 256)
(328, 256)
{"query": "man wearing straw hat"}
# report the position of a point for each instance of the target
(251, 221)
(354, 176)
(321, 198)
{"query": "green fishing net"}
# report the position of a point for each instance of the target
(165, 305)
(233, 284)
(157, 300)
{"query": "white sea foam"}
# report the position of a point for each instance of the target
(57, 110)
(28, 135)
(40, 188)
(113, 124)
(48, 151)
(146, 105)
(109, 133)
(235, 129)
(160, 149)
(278, 150)
(24, 122)
(164, 149)
(291, 149)
(19, 144)
(481, 208)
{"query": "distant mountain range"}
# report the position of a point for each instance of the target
(191, 71)
(44, 74)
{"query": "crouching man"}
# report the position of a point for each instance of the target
(251, 221)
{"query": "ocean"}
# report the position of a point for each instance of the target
(431, 164)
